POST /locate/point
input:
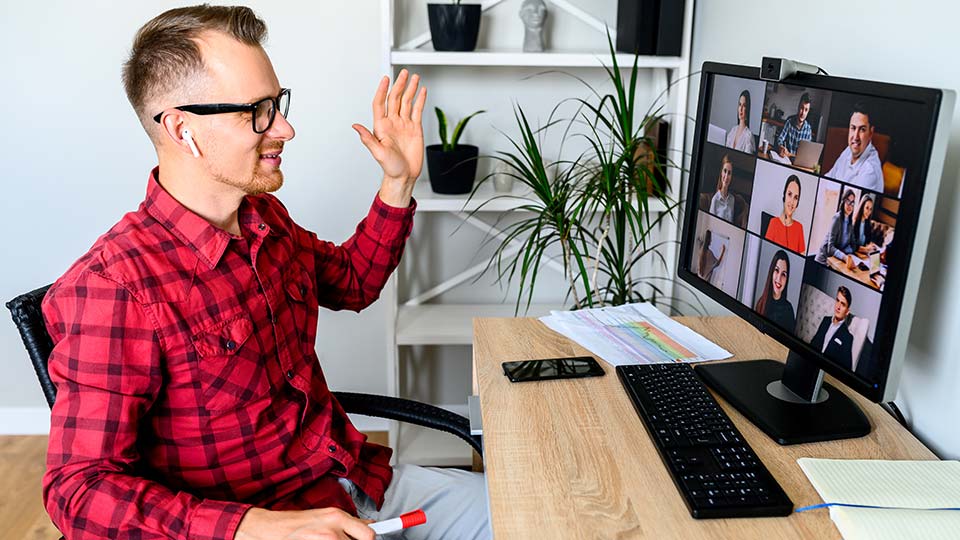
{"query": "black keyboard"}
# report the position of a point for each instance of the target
(714, 468)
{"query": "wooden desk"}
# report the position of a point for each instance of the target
(571, 458)
(863, 276)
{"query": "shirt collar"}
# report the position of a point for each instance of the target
(207, 241)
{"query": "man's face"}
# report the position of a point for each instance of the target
(841, 308)
(861, 133)
(803, 111)
(234, 155)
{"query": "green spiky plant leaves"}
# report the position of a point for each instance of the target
(449, 146)
(599, 210)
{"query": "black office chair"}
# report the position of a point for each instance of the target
(29, 320)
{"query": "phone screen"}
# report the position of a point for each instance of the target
(552, 368)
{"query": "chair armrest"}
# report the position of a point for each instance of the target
(412, 412)
(25, 310)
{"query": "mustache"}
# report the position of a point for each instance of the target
(271, 149)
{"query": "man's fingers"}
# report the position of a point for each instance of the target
(418, 106)
(408, 95)
(369, 140)
(380, 98)
(393, 100)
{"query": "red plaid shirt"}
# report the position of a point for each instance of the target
(188, 385)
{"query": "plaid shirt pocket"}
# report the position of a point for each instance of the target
(231, 369)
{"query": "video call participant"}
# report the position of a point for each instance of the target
(783, 229)
(773, 303)
(839, 241)
(863, 235)
(859, 163)
(722, 203)
(796, 129)
(739, 137)
(708, 261)
(833, 338)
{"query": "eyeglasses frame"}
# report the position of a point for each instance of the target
(221, 108)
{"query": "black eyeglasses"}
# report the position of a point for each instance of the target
(264, 111)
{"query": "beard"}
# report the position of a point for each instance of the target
(256, 184)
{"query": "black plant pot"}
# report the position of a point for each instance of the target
(453, 172)
(454, 27)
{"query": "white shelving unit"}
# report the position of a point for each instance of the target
(417, 321)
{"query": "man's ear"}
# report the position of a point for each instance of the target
(173, 125)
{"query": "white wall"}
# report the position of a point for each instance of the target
(891, 41)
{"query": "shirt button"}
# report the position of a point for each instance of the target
(303, 290)
(262, 226)
(332, 448)
(289, 373)
(230, 345)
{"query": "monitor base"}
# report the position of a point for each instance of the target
(744, 385)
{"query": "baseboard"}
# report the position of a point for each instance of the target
(36, 421)
(24, 420)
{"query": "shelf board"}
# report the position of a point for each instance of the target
(516, 57)
(428, 447)
(452, 324)
(428, 201)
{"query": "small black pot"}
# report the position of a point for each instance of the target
(454, 27)
(453, 172)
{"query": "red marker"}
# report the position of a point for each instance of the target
(405, 521)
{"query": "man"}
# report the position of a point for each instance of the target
(833, 338)
(796, 129)
(191, 404)
(859, 163)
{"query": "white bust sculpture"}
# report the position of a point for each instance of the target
(533, 13)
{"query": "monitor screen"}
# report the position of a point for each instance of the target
(803, 202)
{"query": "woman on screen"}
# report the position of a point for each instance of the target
(773, 303)
(708, 261)
(839, 241)
(721, 205)
(863, 234)
(739, 136)
(783, 230)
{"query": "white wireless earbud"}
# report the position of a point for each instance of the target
(189, 138)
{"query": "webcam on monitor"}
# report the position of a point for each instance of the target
(778, 69)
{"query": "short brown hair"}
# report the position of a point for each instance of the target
(164, 52)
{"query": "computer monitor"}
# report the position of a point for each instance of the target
(824, 258)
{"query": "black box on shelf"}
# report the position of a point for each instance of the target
(650, 27)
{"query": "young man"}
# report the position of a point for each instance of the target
(859, 163)
(191, 404)
(796, 129)
(833, 338)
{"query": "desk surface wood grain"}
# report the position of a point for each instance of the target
(571, 458)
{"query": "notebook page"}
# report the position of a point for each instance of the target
(902, 484)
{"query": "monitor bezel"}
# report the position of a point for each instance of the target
(891, 306)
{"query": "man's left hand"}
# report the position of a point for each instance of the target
(397, 139)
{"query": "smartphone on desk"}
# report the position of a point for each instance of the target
(552, 368)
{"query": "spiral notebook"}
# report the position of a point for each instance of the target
(881, 500)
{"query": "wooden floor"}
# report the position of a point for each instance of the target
(21, 508)
(22, 462)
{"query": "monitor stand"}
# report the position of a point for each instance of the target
(790, 403)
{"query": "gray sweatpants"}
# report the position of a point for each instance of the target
(454, 500)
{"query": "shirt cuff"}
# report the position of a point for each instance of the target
(388, 223)
(215, 520)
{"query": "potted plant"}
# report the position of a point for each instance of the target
(592, 211)
(454, 26)
(452, 166)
